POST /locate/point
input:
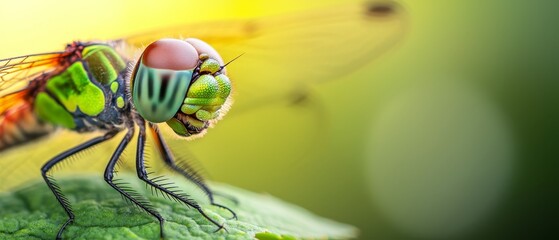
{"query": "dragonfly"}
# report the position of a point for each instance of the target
(158, 81)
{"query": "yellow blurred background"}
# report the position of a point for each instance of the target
(452, 134)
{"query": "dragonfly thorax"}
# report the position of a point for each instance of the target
(87, 94)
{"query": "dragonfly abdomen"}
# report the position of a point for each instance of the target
(18, 123)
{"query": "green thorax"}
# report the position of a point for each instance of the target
(85, 85)
(104, 63)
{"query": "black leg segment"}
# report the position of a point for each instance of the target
(161, 184)
(186, 172)
(52, 183)
(169, 159)
(130, 195)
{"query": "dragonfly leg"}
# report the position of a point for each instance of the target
(187, 172)
(160, 183)
(129, 194)
(54, 186)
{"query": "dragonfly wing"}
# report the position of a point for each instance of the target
(282, 53)
(11, 101)
(16, 72)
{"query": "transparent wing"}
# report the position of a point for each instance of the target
(16, 72)
(282, 53)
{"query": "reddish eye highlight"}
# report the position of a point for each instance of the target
(170, 54)
(203, 47)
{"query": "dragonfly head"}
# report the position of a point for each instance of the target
(182, 83)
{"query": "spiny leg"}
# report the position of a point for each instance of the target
(52, 183)
(134, 198)
(170, 161)
(157, 181)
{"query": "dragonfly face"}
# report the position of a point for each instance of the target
(182, 83)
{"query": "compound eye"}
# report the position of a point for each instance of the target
(203, 47)
(172, 54)
(162, 77)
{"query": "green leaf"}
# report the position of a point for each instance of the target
(32, 213)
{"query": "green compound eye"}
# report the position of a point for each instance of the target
(162, 77)
(159, 93)
(163, 89)
(210, 66)
(206, 96)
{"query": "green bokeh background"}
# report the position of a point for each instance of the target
(450, 135)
